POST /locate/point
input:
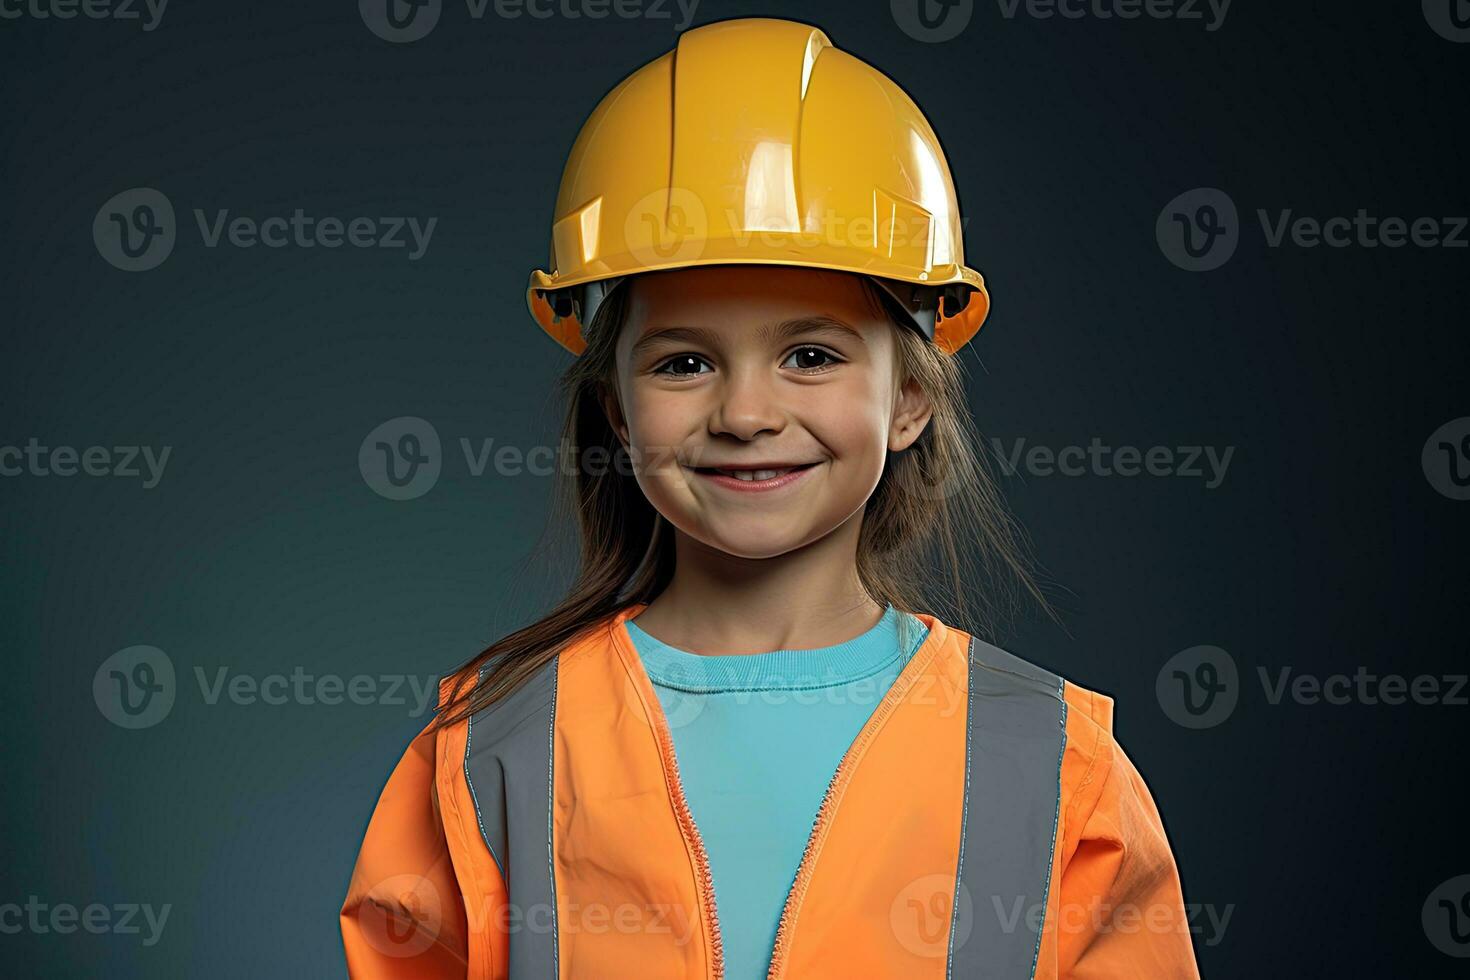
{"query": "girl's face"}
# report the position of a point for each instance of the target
(769, 367)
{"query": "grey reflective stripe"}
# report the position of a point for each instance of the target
(1015, 732)
(507, 763)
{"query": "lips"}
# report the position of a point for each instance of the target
(758, 478)
(756, 474)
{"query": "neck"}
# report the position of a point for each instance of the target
(719, 603)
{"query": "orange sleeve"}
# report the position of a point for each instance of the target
(1122, 912)
(404, 917)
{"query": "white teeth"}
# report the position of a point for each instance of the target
(751, 475)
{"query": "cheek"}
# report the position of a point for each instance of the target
(853, 422)
(658, 421)
(643, 414)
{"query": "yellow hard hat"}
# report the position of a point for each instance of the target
(757, 142)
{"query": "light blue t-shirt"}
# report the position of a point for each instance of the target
(757, 738)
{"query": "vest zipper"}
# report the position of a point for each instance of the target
(803, 874)
(704, 877)
(780, 950)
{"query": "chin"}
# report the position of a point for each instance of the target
(756, 543)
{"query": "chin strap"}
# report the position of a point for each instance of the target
(918, 304)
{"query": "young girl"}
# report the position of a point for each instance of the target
(738, 748)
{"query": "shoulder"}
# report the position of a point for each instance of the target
(1088, 751)
(528, 699)
(1089, 713)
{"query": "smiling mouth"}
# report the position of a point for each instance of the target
(752, 475)
(764, 478)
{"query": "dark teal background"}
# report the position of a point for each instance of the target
(263, 550)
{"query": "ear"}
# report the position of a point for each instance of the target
(910, 415)
(613, 409)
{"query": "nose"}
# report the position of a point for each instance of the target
(748, 404)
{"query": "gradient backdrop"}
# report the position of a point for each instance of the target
(258, 558)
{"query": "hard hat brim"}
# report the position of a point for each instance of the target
(950, 331)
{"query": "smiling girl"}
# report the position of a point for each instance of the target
(746, 743)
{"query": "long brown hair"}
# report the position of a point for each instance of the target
(937, 496)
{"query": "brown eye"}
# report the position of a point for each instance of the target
(680, 364)
(810, 358)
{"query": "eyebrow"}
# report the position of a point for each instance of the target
(780, 330)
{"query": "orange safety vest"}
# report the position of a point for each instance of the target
(984, 823)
